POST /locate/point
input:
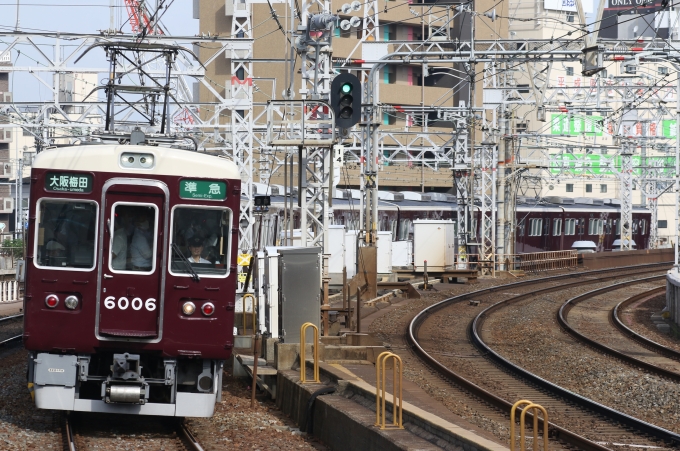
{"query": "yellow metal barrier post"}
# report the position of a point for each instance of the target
(243, 300)
(381, 363)
(534, 407)
(315, 357)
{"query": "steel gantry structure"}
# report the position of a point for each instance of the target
(483, 170)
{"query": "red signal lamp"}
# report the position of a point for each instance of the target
(52, 300)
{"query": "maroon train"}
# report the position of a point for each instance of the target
(130, 279)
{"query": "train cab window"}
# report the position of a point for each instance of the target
(66, 234)
(557, 227)
(570, 226)
(200, 241)
(133, 245)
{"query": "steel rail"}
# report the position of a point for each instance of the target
(612, 414)
(188, 436)
(641, 339)
(556, 431)
(568, 305)
(68, 430)
(14, 338)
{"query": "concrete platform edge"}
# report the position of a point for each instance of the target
(334, 415)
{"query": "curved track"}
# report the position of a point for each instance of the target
(640, 339)
(594, 312)
(510, 382)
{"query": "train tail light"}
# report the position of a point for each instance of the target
(52, 300)
(71, 302)
(208, 308)
(188, 308)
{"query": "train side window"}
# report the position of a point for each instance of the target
(581, 226)
(536, 227)
(557, 227)
(617, 224)
(570, 226)
(66, 234)
(595, 226)
(608, 227)
(521, 226)
(200, 237)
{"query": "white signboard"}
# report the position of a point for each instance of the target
(568, 5)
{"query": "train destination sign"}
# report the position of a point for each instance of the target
(202, 189)
(68, 182)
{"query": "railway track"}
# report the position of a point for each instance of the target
(459, 347)
(98, 431)
(9, 326)
(596, 326)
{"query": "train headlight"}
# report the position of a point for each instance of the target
(71, 302)
(52, 300)
(208, 308)
(146, 161)
(188, 308)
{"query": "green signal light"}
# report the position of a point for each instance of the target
(346, 88)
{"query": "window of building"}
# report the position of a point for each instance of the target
(557, 227)
(389, 75)
(389, 118)
(570, 71)
(595, 226)
(570, 226)
(603, 188)
(536, 227)
(663, 70)
(570, 18)
(570, 187)
(66, 234)
(200, 241)
(589, 188)
(662, 224)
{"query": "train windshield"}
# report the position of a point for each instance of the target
(66, 234)
(201, 239)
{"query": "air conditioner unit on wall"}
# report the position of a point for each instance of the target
(6, 169)
(7, 97)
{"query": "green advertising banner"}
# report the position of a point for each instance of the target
(669, 128)
(202, 189)
(564, 124)
(604, 165)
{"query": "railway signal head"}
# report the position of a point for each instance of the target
(346, 100)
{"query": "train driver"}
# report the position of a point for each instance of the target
(196, 248)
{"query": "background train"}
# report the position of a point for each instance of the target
(545, 224)
(130, 279)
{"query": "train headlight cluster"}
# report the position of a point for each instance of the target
(188, 308)
(137, 160)
(71, 302)
(52, 300)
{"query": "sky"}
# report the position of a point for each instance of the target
(76, 16)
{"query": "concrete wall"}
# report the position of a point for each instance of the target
(673, 295)
(601, 260)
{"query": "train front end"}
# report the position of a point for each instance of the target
(130, 279)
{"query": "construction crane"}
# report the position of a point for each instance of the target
(139, 18)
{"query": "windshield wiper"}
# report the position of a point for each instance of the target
(186, 262)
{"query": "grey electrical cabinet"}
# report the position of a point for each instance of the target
(299, 291)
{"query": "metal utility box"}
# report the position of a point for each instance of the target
(300, 291)
(336, 244)
(384, 252)
(434, 241)
(402, 254)
(351, 252)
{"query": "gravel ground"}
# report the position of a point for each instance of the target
(236, 426)
(642, 322)
(528, 334)
(22, 426)
(11, 328)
